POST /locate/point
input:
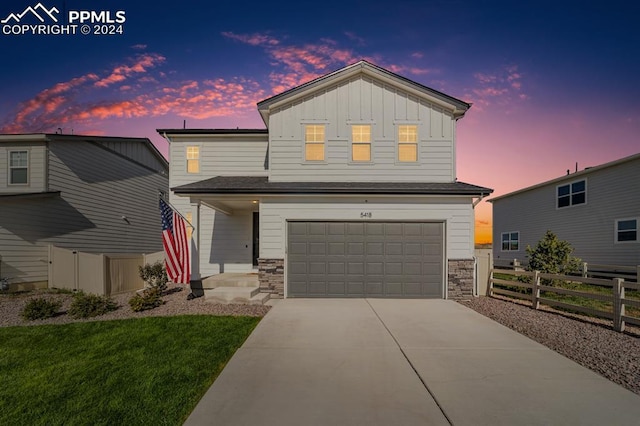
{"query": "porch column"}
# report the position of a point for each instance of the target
(195, 241)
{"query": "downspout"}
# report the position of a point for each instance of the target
(475, 259)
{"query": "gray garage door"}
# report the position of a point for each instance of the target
(365, 259)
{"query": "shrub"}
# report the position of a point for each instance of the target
(149, 298)
(90, 305)
(155, 276)
(40, 308)
(552, 255)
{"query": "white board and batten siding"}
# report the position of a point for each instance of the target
(225, 241)
(362, 100)
(456, 213)
(590, 228)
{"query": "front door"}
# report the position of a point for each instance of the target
(256, 237)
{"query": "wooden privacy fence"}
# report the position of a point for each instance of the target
(541, 284)
(102, 274)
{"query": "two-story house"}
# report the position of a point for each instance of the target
(92, 194)
(596, 209)
(351, 191)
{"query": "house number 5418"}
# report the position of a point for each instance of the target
(366, 214)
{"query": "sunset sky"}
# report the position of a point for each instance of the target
(551, 84)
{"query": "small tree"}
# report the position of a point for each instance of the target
(553, 256)
(154, 276)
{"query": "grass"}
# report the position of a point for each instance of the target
(147, 371)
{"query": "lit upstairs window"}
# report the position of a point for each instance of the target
(314, 142)
(193, 159)
(408, 143)
(361, 143)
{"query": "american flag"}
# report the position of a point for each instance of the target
(176, 245)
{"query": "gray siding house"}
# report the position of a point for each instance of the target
(88, 193)
(597, 210)
(350, 191)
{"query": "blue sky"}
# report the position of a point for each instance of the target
(552, 83)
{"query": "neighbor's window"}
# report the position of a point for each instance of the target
(18, 167)
(408, 143)
(572, 194)
(626, 230)
(193, 159)
(361, 143)
(510, 241)
(314, 142)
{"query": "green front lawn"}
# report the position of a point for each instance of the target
(147, 371)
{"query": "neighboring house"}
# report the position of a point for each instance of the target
(597, 210)
(351, 191)
(88, 193)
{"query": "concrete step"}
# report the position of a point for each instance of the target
(230, 280)
(228, 295)
(260, 299)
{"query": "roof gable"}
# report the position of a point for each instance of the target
(363, 68)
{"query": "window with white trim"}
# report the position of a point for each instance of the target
(361, 142)
(510, 241)
(572, 194)
(314, 142)
(193, 159)
(408, 143)
(626, 230)
(18, 167)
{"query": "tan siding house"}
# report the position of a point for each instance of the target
(350, 191)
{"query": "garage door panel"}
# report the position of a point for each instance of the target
(365, 259)
(336, 249)
(336, 288)
(393, 249)
(413, 249)
(355, 249)
(375, 249)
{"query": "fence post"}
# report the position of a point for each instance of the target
(535, 291)
(490, 291)
(585, 269)
(618, 304)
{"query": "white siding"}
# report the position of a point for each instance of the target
(230, 157)
(225, 241)
(362, 101)
(37, 167)
(589, 227)
(457, 213)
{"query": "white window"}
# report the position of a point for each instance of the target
(408, 143)
(361, 143)
(626, 230)
(193, 159)
(572, 194)
(510, 241)
(314, 142)
(18, 167)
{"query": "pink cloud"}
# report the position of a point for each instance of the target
(502, 88)
(141, 64)
(417, 55)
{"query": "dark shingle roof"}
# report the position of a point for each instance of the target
(261, 185)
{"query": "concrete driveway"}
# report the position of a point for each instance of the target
(402, 362)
